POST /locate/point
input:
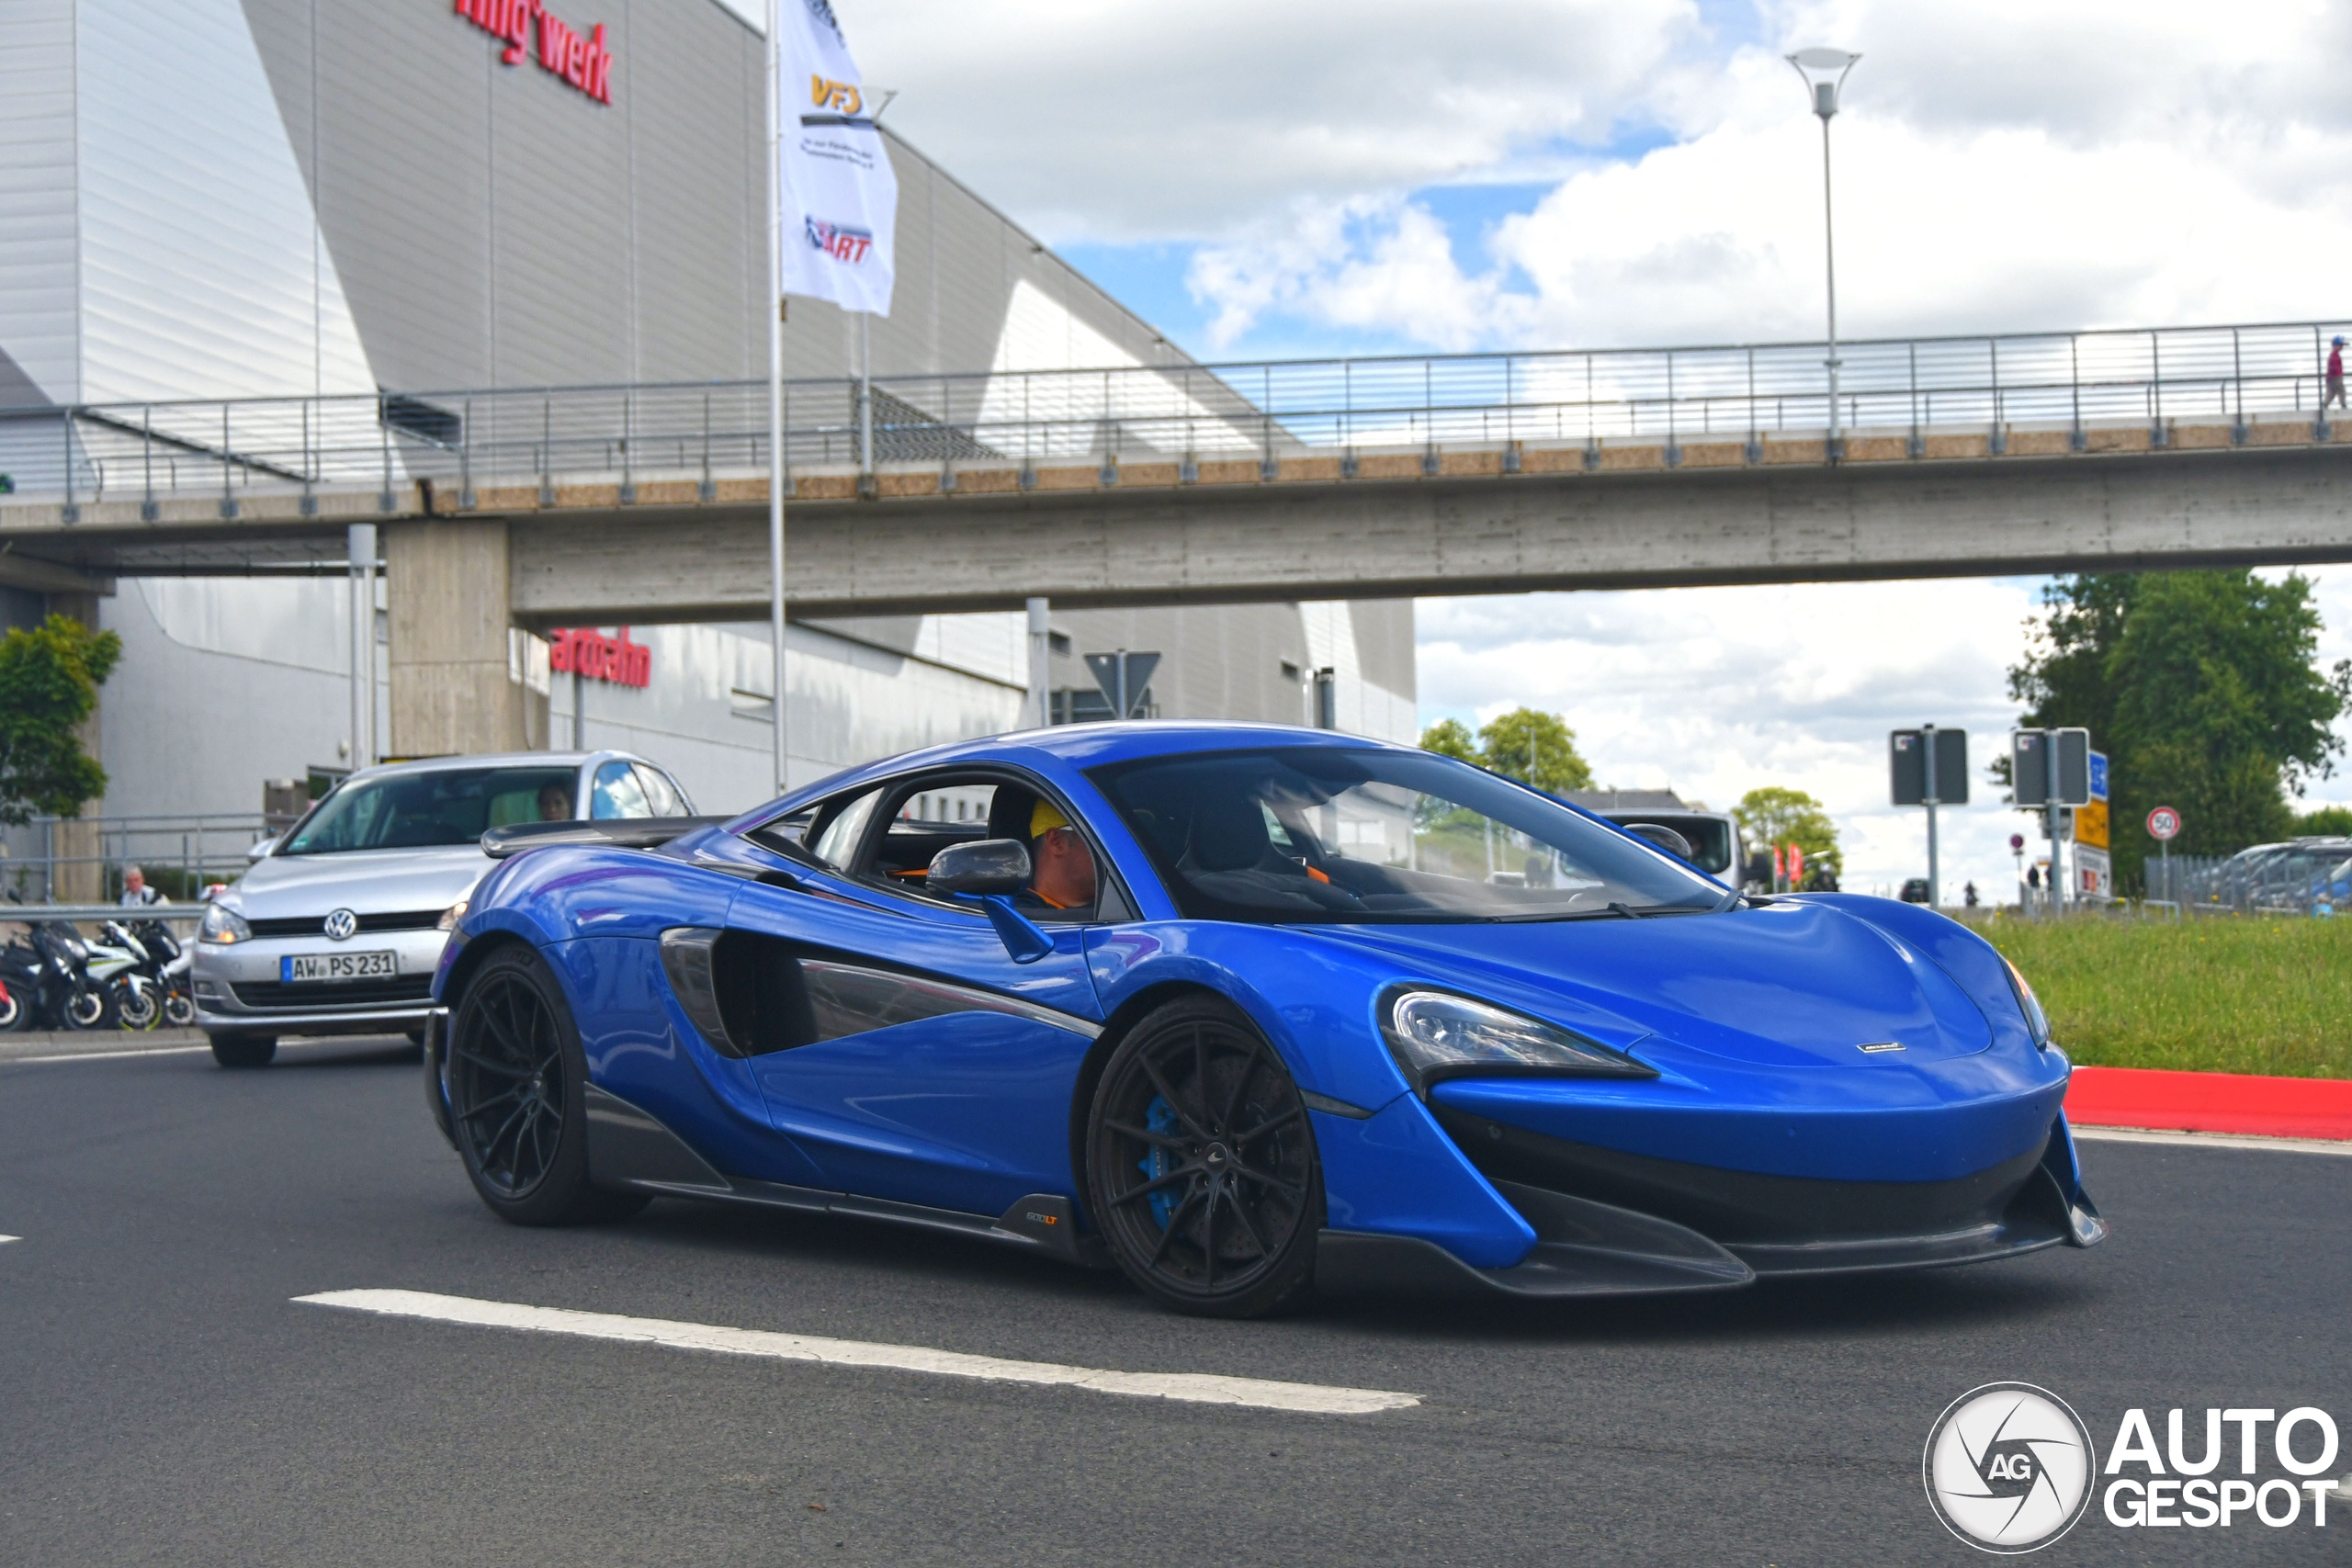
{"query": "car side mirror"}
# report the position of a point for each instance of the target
(998, 866)
(261, 849)
(1661, 835)
(990, 871)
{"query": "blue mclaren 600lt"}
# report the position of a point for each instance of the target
(1245, 1011)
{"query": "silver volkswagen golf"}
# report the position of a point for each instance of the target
(338, 927)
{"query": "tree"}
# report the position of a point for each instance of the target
(1534, 747)
(1771, 816)
(1451, 738)
(2201, 689)
(2334, 821)
(48, 685)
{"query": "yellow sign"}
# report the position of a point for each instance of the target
(2090, 824)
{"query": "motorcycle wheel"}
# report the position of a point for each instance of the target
(86, 1010)
(136, 1007)
(16, 1012)
(179, 1009)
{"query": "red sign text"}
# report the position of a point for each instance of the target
(586, 651)
(584, 63)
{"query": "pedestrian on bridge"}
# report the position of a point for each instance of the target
(2335, 377)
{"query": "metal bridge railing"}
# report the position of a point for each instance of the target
(179, 854)
(552, 437)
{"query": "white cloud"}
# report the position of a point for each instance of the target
(1713, 692)
(1151, 119)
(2000, 167)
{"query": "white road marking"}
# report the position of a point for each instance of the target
(104, 1056)
(5, 1240)
(2215, 1140)
(1199, 1388)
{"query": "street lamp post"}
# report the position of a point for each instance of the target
(1823, 71)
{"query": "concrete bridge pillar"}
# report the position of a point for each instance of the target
(454, 688)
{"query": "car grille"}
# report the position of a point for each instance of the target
(315, 925)
(309, 994)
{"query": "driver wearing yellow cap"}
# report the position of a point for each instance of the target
(1061, 868)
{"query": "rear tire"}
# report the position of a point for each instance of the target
(16, 1011)
(517, 1086)
(244, 1050)
(1201, 1169)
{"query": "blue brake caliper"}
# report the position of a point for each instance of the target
(1160, 1117)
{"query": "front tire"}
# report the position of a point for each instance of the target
(517, 1086)
(1201, 1169)
(137, 1006)
(244, 1050)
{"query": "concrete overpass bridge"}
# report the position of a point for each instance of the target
(1273, 480)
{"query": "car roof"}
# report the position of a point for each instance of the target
(495, 760)
(1082, 746)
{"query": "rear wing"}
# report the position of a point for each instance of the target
(617, 833)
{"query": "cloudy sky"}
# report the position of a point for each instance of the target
(1319, 177)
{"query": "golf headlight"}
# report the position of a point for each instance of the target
(1436, 1036)
(223, 924)
(450, 917)
(2037, 1022)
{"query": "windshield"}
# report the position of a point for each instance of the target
(407, 811)
(1321, 834)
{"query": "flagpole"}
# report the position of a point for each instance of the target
(775, 387)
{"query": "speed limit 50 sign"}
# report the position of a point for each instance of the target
(2164, 822)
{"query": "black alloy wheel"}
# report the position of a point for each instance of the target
(179, 1009)
(517, 1081)
(1201, 1166)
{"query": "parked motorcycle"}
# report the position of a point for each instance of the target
(21, 971)
(64, 996)
(168, 964)
(119, 968)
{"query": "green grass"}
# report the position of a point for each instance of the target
(2221, 995)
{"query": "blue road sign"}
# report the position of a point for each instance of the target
(2098, 776)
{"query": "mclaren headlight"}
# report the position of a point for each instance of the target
(1436, 1036)
(223, 924)
(2037, 1022)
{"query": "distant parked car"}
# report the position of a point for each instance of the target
(338, 927)
(1915, 891)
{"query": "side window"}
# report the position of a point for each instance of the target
(841, 828)
(616, 793)
(665, 797)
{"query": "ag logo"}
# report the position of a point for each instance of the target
(342, 925)
(2009, 1467)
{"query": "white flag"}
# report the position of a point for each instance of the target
(841, 196)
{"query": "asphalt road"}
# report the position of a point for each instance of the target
(164, 1400)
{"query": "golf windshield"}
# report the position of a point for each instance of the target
(1324, 834)
(451, 805)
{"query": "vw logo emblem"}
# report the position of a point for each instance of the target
(342, 925)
